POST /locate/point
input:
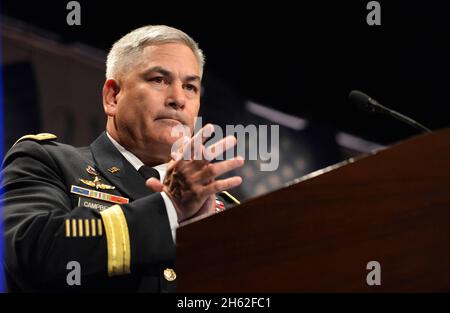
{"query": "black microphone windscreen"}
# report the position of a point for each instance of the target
(359, 98)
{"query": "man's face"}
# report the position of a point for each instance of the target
(160, 92)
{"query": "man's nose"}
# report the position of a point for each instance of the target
(176, 98)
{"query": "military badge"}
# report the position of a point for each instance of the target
(95, 183)
(94, 194)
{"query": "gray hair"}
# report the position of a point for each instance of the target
(127, 49)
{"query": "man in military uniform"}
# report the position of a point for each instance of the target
(113, 207)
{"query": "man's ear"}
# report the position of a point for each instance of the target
(110, 90)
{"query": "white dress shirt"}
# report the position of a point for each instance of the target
(162, 169)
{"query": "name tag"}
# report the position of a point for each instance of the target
(93, 203)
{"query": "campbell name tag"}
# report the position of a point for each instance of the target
(98, 195)
(93, 203)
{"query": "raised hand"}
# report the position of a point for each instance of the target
(191, 180)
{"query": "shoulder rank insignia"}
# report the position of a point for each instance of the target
(37, 137)
(96, 182)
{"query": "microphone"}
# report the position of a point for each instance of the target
(366, 103)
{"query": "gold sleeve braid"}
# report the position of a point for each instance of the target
(118, 240)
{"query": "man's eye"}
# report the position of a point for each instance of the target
(158, 79)
(191, 87)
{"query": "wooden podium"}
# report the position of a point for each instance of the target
(318, 234)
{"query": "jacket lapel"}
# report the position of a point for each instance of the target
(127, 180)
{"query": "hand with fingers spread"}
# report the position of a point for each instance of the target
(191, 180)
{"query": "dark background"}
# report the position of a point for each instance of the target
(301, 57)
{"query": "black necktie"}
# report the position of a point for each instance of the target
(148, 172)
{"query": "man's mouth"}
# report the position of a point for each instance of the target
(171, 119)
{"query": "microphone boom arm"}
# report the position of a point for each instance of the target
(407, 120)
(369, 104)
